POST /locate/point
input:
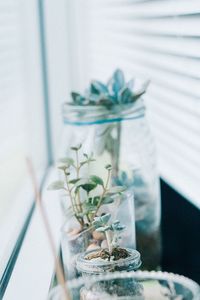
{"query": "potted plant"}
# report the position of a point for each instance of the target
(109, 118)
(87, 196)
(111, 257)
(106, 100)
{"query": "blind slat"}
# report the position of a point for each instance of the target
(158, 9)
(183, 66)
(149, 8)
(189, 27)
(168, 45)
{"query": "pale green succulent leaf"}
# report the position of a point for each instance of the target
(74, 181)
(116, 189)
(62, 167)
(68, 161)
(103, 229)
(78, 99)
(118, 81)
(107, 200)
(105, 218)
(82, 163)
(56, 185)
(98, 88)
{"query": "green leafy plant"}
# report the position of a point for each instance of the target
(83, 192)
(112, 231)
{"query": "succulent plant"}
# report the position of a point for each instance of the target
(116, 91)
(124, 179)
(112, 231)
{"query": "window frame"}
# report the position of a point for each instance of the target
(14, 282)
(16, 226)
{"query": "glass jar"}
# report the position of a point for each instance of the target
(74, 242)
(130, 286)
(121, 136)
(97, 267)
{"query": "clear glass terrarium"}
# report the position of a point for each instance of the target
(74, 242)
(120, 135)
(130, 286)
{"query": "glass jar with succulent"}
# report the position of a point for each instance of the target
(111, 256)
(110, 119)
(88, 196)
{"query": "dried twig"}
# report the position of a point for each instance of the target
(38, 199)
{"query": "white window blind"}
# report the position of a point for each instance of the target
(160, 41)
(22, 130)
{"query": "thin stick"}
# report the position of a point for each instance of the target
(38, 199)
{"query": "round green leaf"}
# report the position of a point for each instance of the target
(76, 148)
(108, 167)
(88, 186)
(96, 179)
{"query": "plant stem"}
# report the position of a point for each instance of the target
(105, 188)
(77, 174)
(109, 241)
(70, 194)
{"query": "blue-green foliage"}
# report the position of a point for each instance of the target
(101, 224)
(123, 180)
(116, 91)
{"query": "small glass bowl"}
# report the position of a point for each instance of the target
(139, 285)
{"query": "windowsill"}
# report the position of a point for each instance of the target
(14, 222)
(34, 267)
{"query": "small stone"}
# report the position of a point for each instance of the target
(99, 236)
(74, 231)
(92, 247)
(104, 244)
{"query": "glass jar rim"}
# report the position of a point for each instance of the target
(135, 256)
(98, 114)
(138, 275)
